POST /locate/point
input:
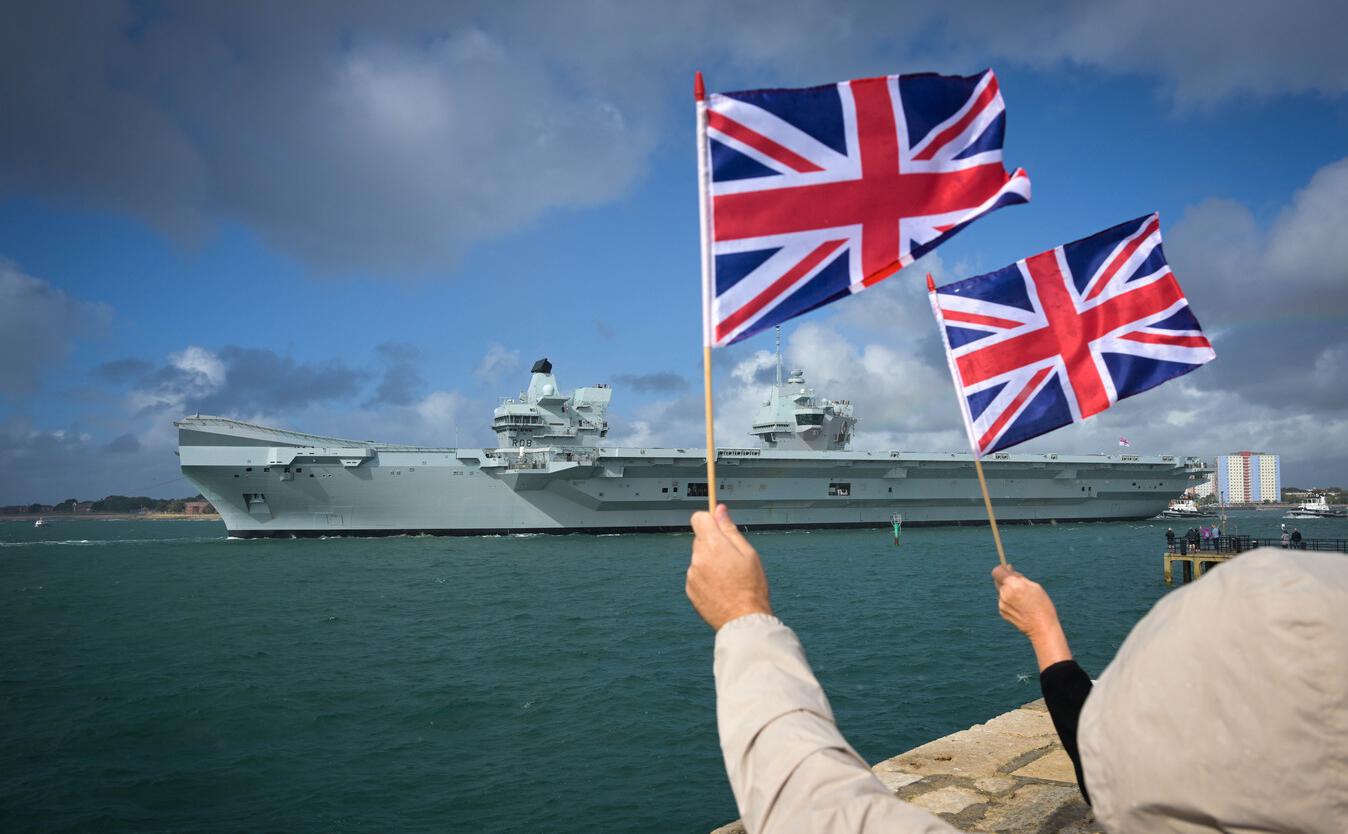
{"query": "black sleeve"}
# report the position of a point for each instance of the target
(1065, 686)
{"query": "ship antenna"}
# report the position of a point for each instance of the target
(779, 356)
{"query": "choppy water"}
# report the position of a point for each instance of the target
(157, 677)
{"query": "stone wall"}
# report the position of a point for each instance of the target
(1009, 775)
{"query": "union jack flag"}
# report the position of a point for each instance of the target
(1063, 335)
(821, 192)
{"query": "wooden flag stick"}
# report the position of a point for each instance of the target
(987, 502)
(968, 425)
(711, 440)
(704, 217)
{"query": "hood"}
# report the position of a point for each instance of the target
(1226, 709)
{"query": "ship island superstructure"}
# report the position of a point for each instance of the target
(553, 471)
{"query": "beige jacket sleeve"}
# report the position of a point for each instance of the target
(790, 768)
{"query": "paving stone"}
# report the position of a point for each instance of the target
(949, 800)
(973, 752)
(1021, 722)
(894, 777)
(1026, 810)
(995, 784)
(1055, 765)
(1081, 826)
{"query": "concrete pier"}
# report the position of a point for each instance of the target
(1193, 563)
(1010, 775)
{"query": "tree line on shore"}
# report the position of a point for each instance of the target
(110, 504)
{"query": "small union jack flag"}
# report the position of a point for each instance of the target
(1063, 335)
(819, 193)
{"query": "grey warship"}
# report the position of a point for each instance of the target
(552, 472)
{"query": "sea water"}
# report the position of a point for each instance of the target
(155, 676)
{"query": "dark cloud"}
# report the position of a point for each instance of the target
(1203, 51)
(660, 382)
(260, 380)
(1273, 296)
(51, 465)
(121, 371)
(401, 382)
(385, 137)
(238, 380)
(38, 327)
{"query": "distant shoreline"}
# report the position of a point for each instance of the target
(56, 517)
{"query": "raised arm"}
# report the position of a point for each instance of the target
(1025, 604)
(790, 768)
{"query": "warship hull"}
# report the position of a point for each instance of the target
(268, 482)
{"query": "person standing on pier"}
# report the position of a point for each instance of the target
(1170, 539)
(1177, 735)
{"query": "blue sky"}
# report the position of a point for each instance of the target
(368, 222)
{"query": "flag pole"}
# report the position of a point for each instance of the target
(704, 217)
(987, 502)
(968, 426)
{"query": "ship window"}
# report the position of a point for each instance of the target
(664, 489)
(891, 489)
(299, 469)
(809, 419)
(266, 469)
(840, 490)
(696, 490)
(248, 469)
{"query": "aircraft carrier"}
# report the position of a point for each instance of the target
(552, 472)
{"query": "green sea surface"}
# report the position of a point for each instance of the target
(155, 676)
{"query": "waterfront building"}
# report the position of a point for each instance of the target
(1205, 488)
(1249, 477)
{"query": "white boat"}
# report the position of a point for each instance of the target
(1317, 507)
(1184, 508)
(41, 522)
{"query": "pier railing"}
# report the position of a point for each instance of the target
(1231, 545)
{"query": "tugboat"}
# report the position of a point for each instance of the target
(1317, 507)
(41, 522)
(1184, 508)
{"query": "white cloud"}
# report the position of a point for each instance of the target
(497, 363)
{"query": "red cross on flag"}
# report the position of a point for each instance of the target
(814, 194)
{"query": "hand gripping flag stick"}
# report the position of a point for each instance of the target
(705, 218)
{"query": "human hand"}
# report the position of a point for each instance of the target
(1025, 604)
(725, 577)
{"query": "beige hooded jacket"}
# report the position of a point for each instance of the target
(1226, 709)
